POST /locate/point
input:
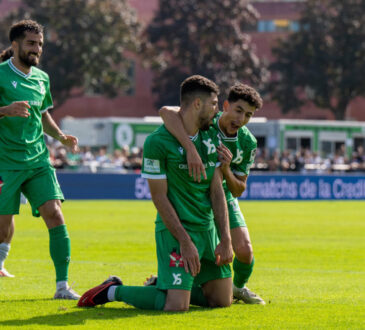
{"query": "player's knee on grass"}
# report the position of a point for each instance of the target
(177, 301)
(51, 213)
(218, 292)
(220, 301)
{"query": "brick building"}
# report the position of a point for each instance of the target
(277, 19)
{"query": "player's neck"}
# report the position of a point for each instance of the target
(189, 121)
(222, 122)
(20, 65)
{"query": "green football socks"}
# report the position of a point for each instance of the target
(60, 250)
(143, 297)
(242, 272)
(149, 297)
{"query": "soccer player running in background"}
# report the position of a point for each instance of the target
(188, 248)
(25, 167)
(237, 153)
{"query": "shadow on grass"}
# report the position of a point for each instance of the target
(79, 316)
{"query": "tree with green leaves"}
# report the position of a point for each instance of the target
(201, 37)
(324, 61)
(85, 44)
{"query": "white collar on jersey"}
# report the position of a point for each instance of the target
(194, 137)
(17, 71)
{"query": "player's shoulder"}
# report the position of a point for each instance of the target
(246, 136)
(39, 73)
(160, 135)
(4, 66)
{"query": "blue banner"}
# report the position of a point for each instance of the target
(260, 187)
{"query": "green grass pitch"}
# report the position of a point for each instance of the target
(310, 268)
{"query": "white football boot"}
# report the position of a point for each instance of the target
(5, 273)
(247, 296)
(67, 294)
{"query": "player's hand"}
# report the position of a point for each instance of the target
(190, 257)
(223, 253)
(224, 155)
(70, 141)
(17, 109)
(195, 165)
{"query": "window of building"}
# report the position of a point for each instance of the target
(277, 25)
(266, 26)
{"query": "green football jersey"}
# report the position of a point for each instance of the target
(22, 143)
(243, 148)
(165, 158)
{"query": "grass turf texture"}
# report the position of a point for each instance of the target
(310, 268)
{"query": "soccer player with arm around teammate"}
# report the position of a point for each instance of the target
(25, 167)
(236, 153)
(192, 262)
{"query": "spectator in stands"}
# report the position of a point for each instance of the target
(274, 162)
(60, 158)
(86, 154)
(285, 161)
(102, 157)
(135, 159)
(358, 159)
(119, 159)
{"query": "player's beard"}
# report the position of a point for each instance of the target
(26, 58)
(204, 123)
(204, 120)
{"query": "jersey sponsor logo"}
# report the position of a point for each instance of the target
(152, 165)
(175, 259)
(177, 279)
(210, 146)
(14, 83)
(35, 103)
(1, 184)
(238, 159)
(43, 89)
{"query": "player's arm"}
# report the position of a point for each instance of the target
(50, 127)
(174, 124)
(15, 109)
(235, 183)
(189, 253)
(223, 251)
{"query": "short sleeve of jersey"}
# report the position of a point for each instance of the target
(154, 158)
(47, 102)
(249, 146)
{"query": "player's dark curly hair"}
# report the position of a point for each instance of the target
(6, 54)
(245, 93)
(17, 31)
(193, 85)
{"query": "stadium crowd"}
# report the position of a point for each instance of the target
(129, 160)
(125, 160)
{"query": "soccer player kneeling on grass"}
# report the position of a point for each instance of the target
(25, 167)
(192, 262)
(236, 154)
